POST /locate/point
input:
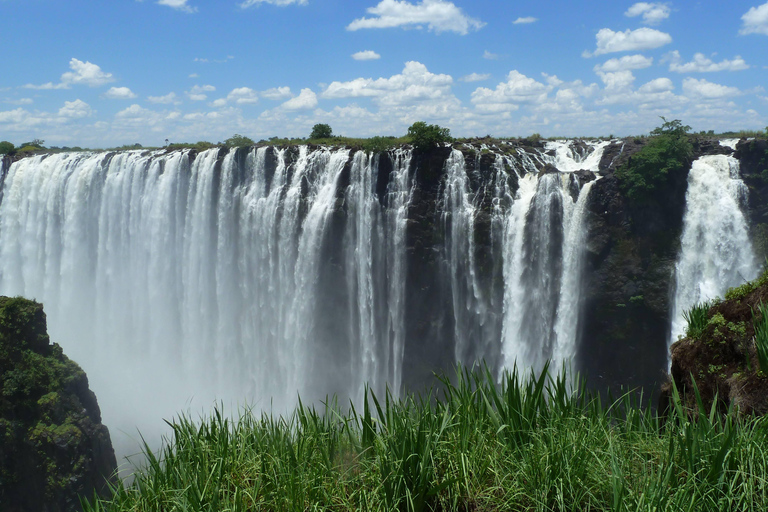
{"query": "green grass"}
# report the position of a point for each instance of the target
(531, 443)
(697, 318)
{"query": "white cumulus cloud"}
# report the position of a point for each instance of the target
(306, 99)
(524, 20)
(75, 109)
(644, 38)
(708, 90)
(628, 62)
(755, 21)
(167, 99)
(366, 55)
(180, 5)
(702, 64)
(475, 77)
(652, 13)
(198, 92)
(119, 93)
(277, 93)
(86, 73)
(508, 95)
(437, 15)
(240, 96)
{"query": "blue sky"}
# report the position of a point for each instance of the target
(100, 74)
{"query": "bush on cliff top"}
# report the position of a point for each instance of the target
(668, 152)
(426, 136)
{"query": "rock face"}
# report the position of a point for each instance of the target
(54, 447)
(721, 357)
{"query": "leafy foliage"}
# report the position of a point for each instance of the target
(321, 131)
(668, 151)
(6, 148)
(761, 336)
(697, 318)
(426, 136)
(237, 141)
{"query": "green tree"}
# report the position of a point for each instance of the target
(667, 152)
(237, 141)
(321, 131)
(425, 136)
(6, 148)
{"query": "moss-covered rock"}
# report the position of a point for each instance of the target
(721, 355)
(54, 447)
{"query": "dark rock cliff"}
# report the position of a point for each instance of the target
(54, 447)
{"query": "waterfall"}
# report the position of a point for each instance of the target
(715, 249)
(543, 259)
(180, 278)
(176, 280)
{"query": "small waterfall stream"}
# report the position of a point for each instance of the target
(715, 249)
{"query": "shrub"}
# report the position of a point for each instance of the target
(425, 136)
(761, 336)
(668, 152)
(321, 131)
(6, 148)
(238, 140)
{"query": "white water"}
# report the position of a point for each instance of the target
(175, 284)
(543, 261)
(716, 252)
(255, 276)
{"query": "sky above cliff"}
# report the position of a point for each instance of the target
(101, 74)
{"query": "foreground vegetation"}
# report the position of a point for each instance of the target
(539, 443)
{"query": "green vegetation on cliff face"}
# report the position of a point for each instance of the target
(534, 443)
(668, 151)
(54, 448)
(725, 350)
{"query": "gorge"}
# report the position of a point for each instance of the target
(176, 279)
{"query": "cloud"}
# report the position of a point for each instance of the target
(240, 96)
(527, 19)
(20, 101)
(366, 55)
(652, 13)
(437, 15)
(194, 75)
(490, 56)
(755, 21)
(702, 64)
(46, 86)
(75, 109)
(708, 90)
(475, 77)
(304, 101)
(644, 38)
(180, 5)
(167, 99)
(508, 95)
(119, 93)
(282, 3)
(628, 62)
(277, 93)
(415, 83)
(86, 73)
(197, 93)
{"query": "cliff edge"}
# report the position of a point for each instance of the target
(54, 447)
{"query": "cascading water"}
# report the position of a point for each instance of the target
(715, 250)
(178, 279)
(543, 260)
(169, 278)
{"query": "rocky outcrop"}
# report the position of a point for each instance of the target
(719, 355)
(54, 448)
(753, 159)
